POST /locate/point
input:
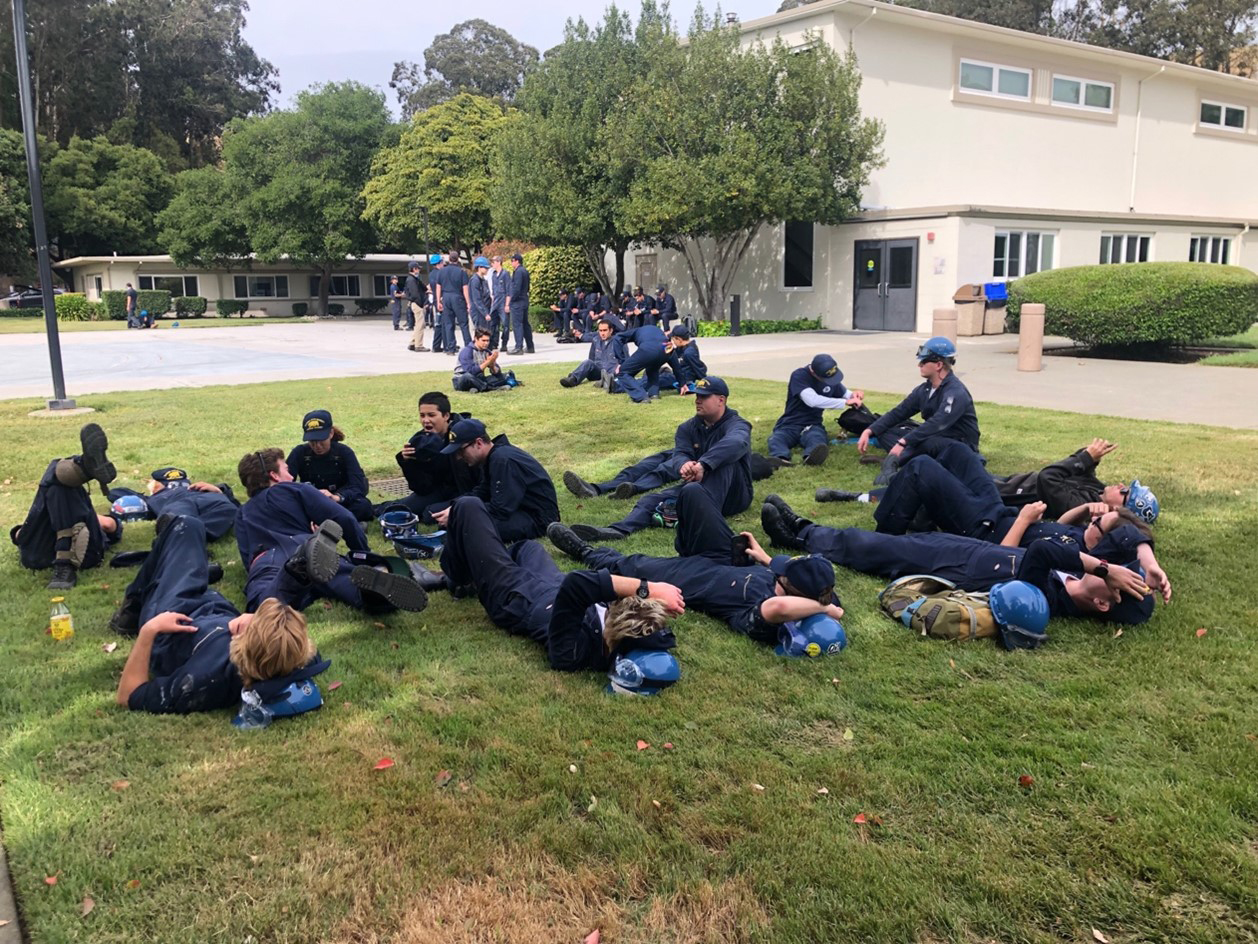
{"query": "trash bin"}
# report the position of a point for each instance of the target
(997, 298)
(971, 305)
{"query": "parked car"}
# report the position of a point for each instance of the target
(27, 296)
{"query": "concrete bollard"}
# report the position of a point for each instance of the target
(1031, 338)
(945, 324)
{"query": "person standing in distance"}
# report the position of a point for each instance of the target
(415, 296)
(518, 307)
(453, 302)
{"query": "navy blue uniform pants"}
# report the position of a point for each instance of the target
(215, 511)
(515, 585)
(268, 578)
(717, 483)
(521, 329)
(785, 438)
(175, 576)
(964, 501)
(969, 564)
(647, 363)
(455, 313)
(56, 508)
(646, 475)
(586, 370)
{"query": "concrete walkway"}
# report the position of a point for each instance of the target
(101, 362)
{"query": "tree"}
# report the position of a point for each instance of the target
(295, 178)
(102, 197)
(15, 208)
(201, 226)
(441, 164)
(738, 138)
(475, 57)
(558, 180)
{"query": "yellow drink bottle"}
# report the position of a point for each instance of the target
(60, 621)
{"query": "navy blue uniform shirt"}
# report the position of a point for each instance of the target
(512, 481)
(337, 470)
(280, 517)
(947, 411)
(797, 413)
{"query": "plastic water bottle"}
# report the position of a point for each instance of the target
(60, 622)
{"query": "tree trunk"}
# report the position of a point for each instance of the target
(620, 270)
(596, 256)
(712, 271)
(325, 286)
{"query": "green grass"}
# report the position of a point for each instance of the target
(35, 325)
(1244, 355)
(1142, 821)
(1247, 339)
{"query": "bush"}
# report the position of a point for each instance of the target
(1140, 303)
(155, 301)
(191, 306)
(720, 329)
(226, 307)
(115, 304)
(300, 308)
(336, 309)
(370, 306)
(72, 306)
(552, 268)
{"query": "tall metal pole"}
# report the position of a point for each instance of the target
(37, 206)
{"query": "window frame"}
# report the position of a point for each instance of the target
(313, 285)
(1023, 241)
(1222, 124)
(185, 279)
(996, 68)
(1219, 254)
(1081, 105)
(812, 261)
(274, 282)
(1125, 241)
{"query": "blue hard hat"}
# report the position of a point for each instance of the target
(434, 259)
(937, 349)
(131, 508)
(298, 697)
(1142, 501)
(817, 635)
(1021, 610)
(643, 672)
(398, 521)
(480, 262)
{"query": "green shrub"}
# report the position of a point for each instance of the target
(155, 301)
(720, 329)
(116, 304)
(1140, 303)
(191, 306)
(370, 306)
(336, 309)
(553, 268)
(300, 308)
(540, 316)
(226, 307)
(72, 306)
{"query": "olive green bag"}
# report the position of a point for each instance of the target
(932, 606)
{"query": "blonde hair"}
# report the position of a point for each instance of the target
(632, 618)
(273, 644)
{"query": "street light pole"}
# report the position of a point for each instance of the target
(37, 206)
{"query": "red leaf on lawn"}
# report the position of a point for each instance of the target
(443, 778)
(133, 884)
(1026, 781)
(859, 818)
(50, 880)
(88, 905)
(334, 686)
(592, 937)
(642, 745)
(1201, 632)
(668, 745)
(120, 785)
(384, 763)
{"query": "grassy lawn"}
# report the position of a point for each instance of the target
(1247, 339)
(1141, 821)
(1246, 354)
(36, 325)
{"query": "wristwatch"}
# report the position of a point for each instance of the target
(644, 591)
(1101, 570)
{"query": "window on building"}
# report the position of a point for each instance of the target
(1082, 93)
(99, 285)
(1124, 247)
(261, 286)
(797, 255)
(1222, 116)
(177, 285)
(340, 286)
(1209, 249)
(1018, 253)
(988, 78)
(380, 285)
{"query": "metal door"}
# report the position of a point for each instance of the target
(885, 296)
(645, 270)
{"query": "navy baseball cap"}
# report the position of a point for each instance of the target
(823, 365)
(517, 257)
(681, 331)
(316, 425)
(709, 386)
(810, 574)
(170, 476)
(463, 433)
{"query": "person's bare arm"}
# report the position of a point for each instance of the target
(785, 609)
(666, 593)
(1154, 573)
(1026, 517)
(136, 671)
(1081, 513)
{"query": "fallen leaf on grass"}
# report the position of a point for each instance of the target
(859, 819)
(133, 884)
(393, 645)
(572, 768)
(1201, 632)
(668, 745)
(952, 663)
(104, 586)
(834, 681)
(642, 745)
(848, 734)
(758, 787)
(109, 647)
(593, 804)
(378, 625)
(1118, 632)
(592, 937)
(443, 778)
(327, 605)
(88, 905)
(1099, 937)
(1026, 781)
(384, 763)
(656, 804)
(464, 786)
(822, 791)
(50, 880)
(334, 686)
(120, 785)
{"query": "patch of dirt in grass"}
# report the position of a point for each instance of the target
(524, 903)
(816, 737)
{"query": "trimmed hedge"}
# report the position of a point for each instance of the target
(191, 306)
(155, 301)
(1141, 302)
(370, 306)
(720, 329)
(226, 307)
(553, 268)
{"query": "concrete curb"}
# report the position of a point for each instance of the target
(11, 931)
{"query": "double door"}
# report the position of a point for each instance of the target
(886, 285)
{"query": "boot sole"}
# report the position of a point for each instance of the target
(578, 486)
(96, 463)
(624, 491)
(402, 592)
(817, 456)
(323, 558)
(567, 541)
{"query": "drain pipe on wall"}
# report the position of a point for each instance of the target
(1135, 147)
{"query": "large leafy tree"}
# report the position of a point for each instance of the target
(295, 178)
(560, 179)
(201, 226)
(475, 57)
(102, 197)
(440, 164)
(15, 209)
(737, 138)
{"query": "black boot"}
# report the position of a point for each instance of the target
(835, 495)
(126, 619)
(95, 463)
(579, 486)
(318, 560)
(430, 580)
(568, 381)
(64, 575)
(394, 589)
(818, 455)
(792, 521)
(213, 573)
(779, 534)
(589, 532)
(567, 541)
(625, 491)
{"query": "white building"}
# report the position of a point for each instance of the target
(1007, 153)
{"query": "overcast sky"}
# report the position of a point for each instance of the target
(312, 41)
